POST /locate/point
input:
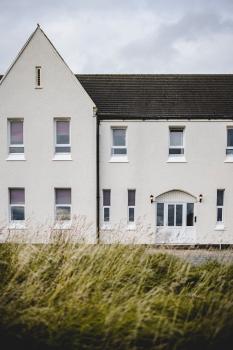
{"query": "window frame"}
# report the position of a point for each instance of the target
(221, 207)
(106, 223)
(56, 220)
(11, 145)
(60, 154)
(38, 70)
(16, 223)
(113, 155)
(229, 148)
(131, 223)
(182, 147)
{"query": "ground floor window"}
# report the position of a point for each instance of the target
(17, 204)
(175, 214)
(62, 204)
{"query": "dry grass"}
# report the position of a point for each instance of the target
(68, 296)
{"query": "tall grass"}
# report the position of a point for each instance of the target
(67, 296)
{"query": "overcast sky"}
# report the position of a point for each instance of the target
(125, 36)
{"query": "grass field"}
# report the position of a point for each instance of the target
(64, 296)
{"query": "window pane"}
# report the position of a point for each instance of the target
(190, 214)
(160, 214)
(119, 137)
(176, 151)
(106, 198)
(106, 214)
(176, 137)
(131, 214)
(62, 149)
(220, 197)
(16, 149)
(17, 196)
(219, 214)
(171, 215)
(63, 195)
(17, 213)
(179, 214)
(131, 198)
(63, 132)
(229, 151)
(230, 137)
(119, 151)
(16, 132)
(63, 213)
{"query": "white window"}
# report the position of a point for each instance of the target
(131, 206)
(38, 77)
(62, 204)
(176, 145)
(229, 149)
(220, 203)
(106, 205)
(62, 136)
(119, 147)
(175, 214)
(17, 204)
(16, 143)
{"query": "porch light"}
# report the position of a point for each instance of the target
(200, 198)
(152, 198)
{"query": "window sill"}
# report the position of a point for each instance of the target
(119, 159)
(219, 227)
(176, 160)
(229, 159)
(106, 227)
(131, 227)
(16, 156)
(65, 225)
(62, 157)
(14, 225)
(38, 88)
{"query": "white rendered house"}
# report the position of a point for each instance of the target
(133, 158)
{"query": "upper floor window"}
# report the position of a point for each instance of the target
(62, 204)
(229, 150)
(176, 145)
(119, 147)
(38, 77)
(16, 136)
(17, 204)
(62, 136)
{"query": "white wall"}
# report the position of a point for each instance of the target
(149, 173)
(61, 96)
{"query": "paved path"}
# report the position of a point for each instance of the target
(199, 256)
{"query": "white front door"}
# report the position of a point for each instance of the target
(175, 223)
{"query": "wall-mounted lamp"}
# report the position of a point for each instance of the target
(200, 197)
(152, 198)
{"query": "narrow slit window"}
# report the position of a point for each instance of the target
(106, 205)
(220, 205)
(16, 144)
(131, 206)
(119, 147)
(229, 149)
(176, 144)
(17, 204)
(190, 214)
(62, 204)
(38, 77)
(62, 131)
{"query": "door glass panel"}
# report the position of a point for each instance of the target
(179, 214)
(160, 214)
(190, 214)
(171, 215)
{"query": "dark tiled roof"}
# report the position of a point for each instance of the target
(161, 96)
